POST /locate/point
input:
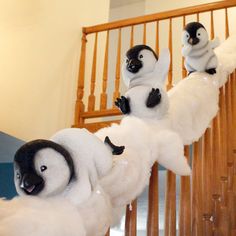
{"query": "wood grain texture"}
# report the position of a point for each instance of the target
(157, 38)
(79, 106)
(185, 201)
(207, 184)
(197, 194)
(153, 204)
(116, 93)
(103, 98)
(144, 33)
(91, 101)
(170, 75)
(170, 205)
(160, 16)
(131, 219)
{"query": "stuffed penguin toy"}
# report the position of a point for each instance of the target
(144, 75)
(69, 165)
(198, 49)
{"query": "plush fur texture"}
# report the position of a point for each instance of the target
(92, 160)
(151, 76)
(197, 49)
(36, 217)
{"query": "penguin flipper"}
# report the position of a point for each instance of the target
(123, 104)
(154, 98)
(215, 42)
(162, 65)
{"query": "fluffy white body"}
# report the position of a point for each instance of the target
(36, 217)
(131, 170)
(200, 59)
(93, 160)
(141, 85)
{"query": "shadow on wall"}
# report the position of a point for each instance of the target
(8, 147)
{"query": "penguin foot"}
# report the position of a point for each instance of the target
(190, 72)
(154, 98)
(211, 71)
(123, 104)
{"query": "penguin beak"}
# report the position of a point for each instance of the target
(193, 41)
(31, 184)
(134, 65)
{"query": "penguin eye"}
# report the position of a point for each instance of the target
(43, 168)
(17, 175)
(187, 36)
(199, 34)
(140, 56)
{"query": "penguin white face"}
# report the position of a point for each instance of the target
(195, 35)
(140, 60)
(42, 168)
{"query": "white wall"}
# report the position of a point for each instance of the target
(39, 56)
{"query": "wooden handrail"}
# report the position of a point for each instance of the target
(160, 16)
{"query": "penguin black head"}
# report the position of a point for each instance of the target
(42, 167)
(195, 35)
(140, 59)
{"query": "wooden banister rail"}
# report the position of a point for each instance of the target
(160, 16)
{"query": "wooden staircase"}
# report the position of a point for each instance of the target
(207, 198)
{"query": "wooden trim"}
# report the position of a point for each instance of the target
(160, 16)
(95, 126)
(102, 113)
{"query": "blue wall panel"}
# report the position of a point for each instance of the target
(7, 187)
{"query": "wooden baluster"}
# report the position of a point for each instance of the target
(212, 26)
(131, 219)
(184, 72)
(103, 98)
(224, 212)
(169, 84)
(230, 154)
(144, 34)
(185, 202)
(217, 173)
(170, 205)
(226, 23)
(132, 37)
(233, 95)
(153, 209)
(157, 38)
(229, 127)
(116, 93)
(207, 184)
(197, 195)
(198, 18)
(108, 232)
(79, 107)
(91, 101)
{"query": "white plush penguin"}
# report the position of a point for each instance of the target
(198, 49)
(69, 165)
(144, 75)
